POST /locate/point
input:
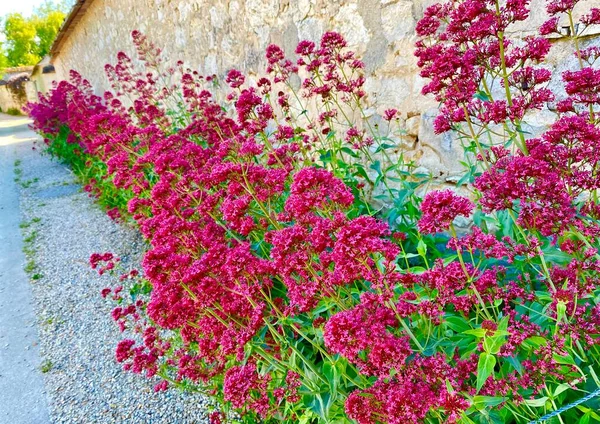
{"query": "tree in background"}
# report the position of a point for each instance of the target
(28, 39)
(20, 40)
(47, 21)
(3, 58)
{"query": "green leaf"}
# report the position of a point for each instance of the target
(326, 157)
(561, 311)
(305, 419)
(466, 420)
(418, 270)
(421, 248)
(468, 177)
(485, 369)
(566, 360)
(516, 364)
(457, 324)
(585, 419)
(449, 259)
(589, 411)
(554, 255)
(350, 152)
(449, 387)
(319, 404)
(330, 373)
(534, 342)
(536, 403)
(561, 388)
(477, 332)
(493, 344)
(503, 325)
(384, 146)
(469, 350)
(482, 95)
(481, 402)
(376, 166)
(360, 170)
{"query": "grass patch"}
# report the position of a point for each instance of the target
(46, 366)
(28, 183)
(31, 237)
(26, 224)
(13, 111)
(30, 266)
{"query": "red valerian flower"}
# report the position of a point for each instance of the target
(363, 332)
(390, 114)
(550, 26)
(591, 18)
(558, 6)
(440, 208)
(246, 389)
(235, 78)
(316, 189)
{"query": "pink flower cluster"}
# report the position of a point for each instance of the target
(265, 281)
(463, 43)
(440, 208)
(242, 233)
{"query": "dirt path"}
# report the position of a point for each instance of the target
(22, 391)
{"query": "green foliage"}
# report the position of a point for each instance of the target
(20, 36)
(47, 20)
(3, 60)
(14, 111)
(89, 168)
(28, 39)
(46, 366)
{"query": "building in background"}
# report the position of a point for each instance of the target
(43, 75)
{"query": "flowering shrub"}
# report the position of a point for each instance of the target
(272, 284)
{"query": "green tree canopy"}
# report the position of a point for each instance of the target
(28, 39)
(20, 40)
(3, 58)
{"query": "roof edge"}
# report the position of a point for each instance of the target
(17, 69)
(74, 15)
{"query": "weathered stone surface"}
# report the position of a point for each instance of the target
(214, 36)
(412, 125)
(398, 21)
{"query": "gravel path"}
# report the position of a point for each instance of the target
(77, 336)
(22, 391)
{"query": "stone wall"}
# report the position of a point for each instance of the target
(10, 100)
(43, 82)
(217, 35)
(7, 100)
